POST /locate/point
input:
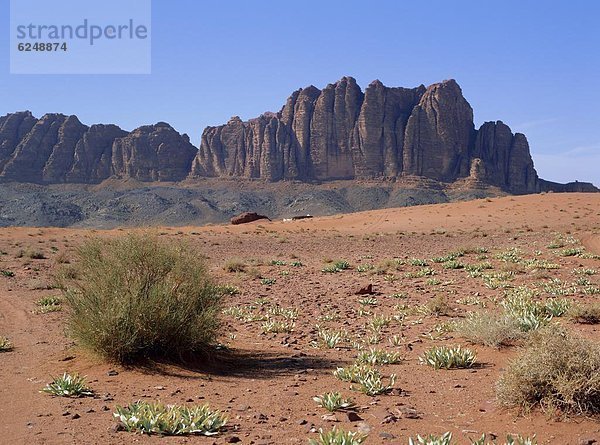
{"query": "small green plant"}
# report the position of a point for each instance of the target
(453, 264)
(5, 344)
(336, 267)
(278, 263)
(448, 357)
(510, 256)
(368, 301)
(338, 436)
(479, 267)
(520, 305)
(431, 439)
(333, 401)
(557, 307)
(7, 273)
(342, 265)
(156, 418)
(296, 264)
(418, 262)
(378, 322)
(372, 384)
(353, 373)
(227, 289)
(377, 357)
(330, 338)
(424, 272)
(268, 281)
(68, 386)
(289, 313)
(49, 304)
(396, 340)
(277, 327)
(573, 251)
(510, 440)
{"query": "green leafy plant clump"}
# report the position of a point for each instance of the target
(133, 297)
(333, 401)
(157, 418)
(446, 439)
(338, 436)
(68, 386)
(448, 357)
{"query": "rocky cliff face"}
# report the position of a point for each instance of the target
(339, 132)
(342, 133)
(59, 149)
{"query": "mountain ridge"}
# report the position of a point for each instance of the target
(339, 132)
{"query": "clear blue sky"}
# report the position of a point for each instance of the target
(533, 64)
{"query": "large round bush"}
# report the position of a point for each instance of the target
(135, 296)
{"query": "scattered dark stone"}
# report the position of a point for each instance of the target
(117, 427)
(353, 417)
(112, 373)
(386, 436)
(234, 439)
(75, 416)
(365, 289)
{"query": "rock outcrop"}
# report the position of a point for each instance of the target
(59, 149)
(342, 133)
(414, 135)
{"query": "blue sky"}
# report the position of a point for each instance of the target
(533, 64)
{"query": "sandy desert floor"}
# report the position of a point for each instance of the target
(266, 382)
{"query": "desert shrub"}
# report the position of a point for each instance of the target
(437, 306)
(235, 265)
(556, 371)
(135, 296)
(585, 313)
(490, 329)
(7, 273)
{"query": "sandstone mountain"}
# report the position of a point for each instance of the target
(342, 133)
(419, 135)
(59, 149)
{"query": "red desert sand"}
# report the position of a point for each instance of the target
(266, 382)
